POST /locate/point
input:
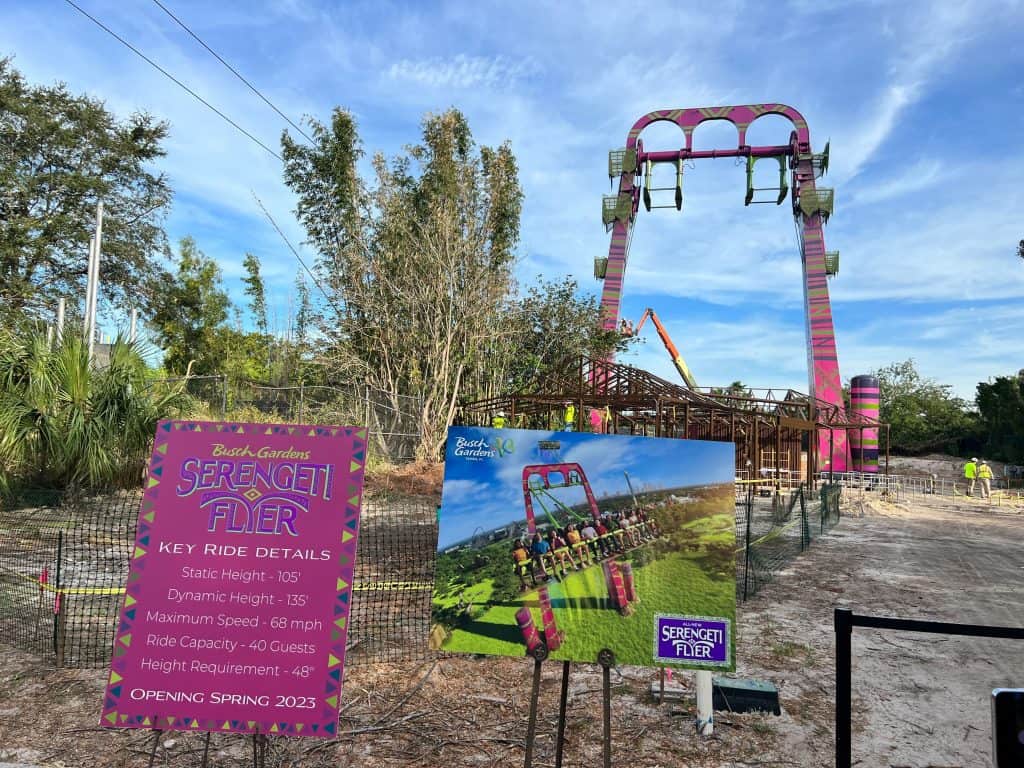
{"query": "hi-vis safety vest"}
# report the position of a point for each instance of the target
(498, 422)
(985, 472)
(970, 470)
(570, 414)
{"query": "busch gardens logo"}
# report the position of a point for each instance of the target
(482, 449)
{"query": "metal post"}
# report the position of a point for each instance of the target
(58, 624)
(831, 457)
(887, 453)
(88, 286)
(606, 658)
(746, 549)
(560, 739)
(132, 322)
(844, 634)
(97, 251)
(367, 421)
(531, 729)
(206, 751)
(61, 306)
(156, 743)
(224, 396)
(302, 392)
(705, 707)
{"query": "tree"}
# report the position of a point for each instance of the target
(189, 318)
(923, 415)
(417, 263)
(69, 425)
(1001, 413)
(553, 322)
(256, 292)
(1020, 249)
(60, 154)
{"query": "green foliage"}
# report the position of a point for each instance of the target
(1001, 413)
(554, 321)
(59, 154)
(189, 320)
(256, 292)
(736, 389)
(923, 415)
(73, 426)
(418, 262)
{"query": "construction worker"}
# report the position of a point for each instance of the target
(498, 421)
(970, 474)
(569, 418)
(985, 476)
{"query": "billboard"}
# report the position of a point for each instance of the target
(237, 600)
(582, 542)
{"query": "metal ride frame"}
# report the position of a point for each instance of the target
(770, 428)
(811, 206)
(572, 475)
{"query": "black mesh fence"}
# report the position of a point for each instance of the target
(393, 420)
(63, 566)
(773, 528)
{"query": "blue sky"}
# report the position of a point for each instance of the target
(487, 492)
(923, 103)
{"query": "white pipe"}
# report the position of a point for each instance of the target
(705, 710)
(60, 319)
(131, 325)
(88, 287)
(96, 280)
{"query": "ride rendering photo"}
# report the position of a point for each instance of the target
(574, 543)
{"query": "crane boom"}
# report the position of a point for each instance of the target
(677, 358)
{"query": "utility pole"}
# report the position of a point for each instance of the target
(61, 304)
(88, 288)
(92, 296)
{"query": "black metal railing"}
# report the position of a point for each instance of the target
(846, 620)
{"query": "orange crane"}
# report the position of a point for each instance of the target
(677, 358)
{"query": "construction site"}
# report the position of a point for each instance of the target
(825, 518)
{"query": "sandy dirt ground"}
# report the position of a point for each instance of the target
(920, 701)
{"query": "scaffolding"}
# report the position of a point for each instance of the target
(773, 430)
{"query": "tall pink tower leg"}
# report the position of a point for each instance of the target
(822, 363)
(822, 357)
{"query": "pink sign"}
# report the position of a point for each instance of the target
(236, 608)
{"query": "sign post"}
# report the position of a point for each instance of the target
(237, 601)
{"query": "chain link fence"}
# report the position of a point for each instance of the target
(393, 420)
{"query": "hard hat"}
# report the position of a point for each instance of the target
(501, 413)
(973, 459)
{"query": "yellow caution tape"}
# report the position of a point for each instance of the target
(395, 586)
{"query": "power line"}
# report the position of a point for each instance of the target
(234, 71)
(296, 254)
(171, 77)
(195, 95)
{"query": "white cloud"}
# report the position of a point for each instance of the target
(462, 71)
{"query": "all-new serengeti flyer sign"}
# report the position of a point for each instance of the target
(236, 607)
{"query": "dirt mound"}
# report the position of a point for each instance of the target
(416, 479)
(939, 464)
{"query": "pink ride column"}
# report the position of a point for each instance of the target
(864, 399)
